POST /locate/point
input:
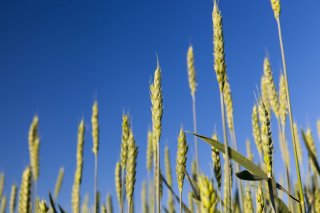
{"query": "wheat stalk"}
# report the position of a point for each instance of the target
(277, 9)
(220, 69)
(95, 148)
(193, 87)
(298, 143)
(131, 170)
(25, 191)
(58, 183)
(181, 162)
(156, 110)
(169, 179)
(109, 204)
(13, 198)
(75, 196)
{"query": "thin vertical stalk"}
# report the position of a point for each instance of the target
(195, 130)
(290, 118)
(158, 177)
(225, 138)
(181, 201)
(240, 192)
(95, 182)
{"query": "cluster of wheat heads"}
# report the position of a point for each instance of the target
(258, 190)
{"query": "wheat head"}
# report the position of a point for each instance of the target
(25, 191)
(191, 71)
(13, 198)
(58, 183)
(215, 155)
(95, 128)
(208, 196)
(181, 158)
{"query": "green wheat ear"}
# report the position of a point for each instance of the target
(208, 196)
(181, 158)
(25, 192)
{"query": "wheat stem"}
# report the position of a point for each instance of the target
(290, 117)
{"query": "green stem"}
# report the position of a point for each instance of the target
(290, 118)
(195, 130)
(95, 182)
(181, 201)
(225, 138)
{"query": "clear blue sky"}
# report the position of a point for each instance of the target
(57, 57)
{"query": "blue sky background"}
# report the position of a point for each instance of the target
(57, 57)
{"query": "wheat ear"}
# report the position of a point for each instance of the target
(248, 206)
(208, 196)
(3, 205)
(149, 157)
(42, 206)
(118, 184)
(156, 110)
(256, 131)
(1, 184)
(169, 179)
(75, 196)
(259, 199)
(58, 183)
(131, 170)
(215, 155)
(95, 148)
(25, 191)
(13, 198)
(181, 162)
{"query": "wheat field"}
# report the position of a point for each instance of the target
(237, 182)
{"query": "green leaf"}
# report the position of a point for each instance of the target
(310, 153)
(246, 175)
(53, 206)
(236, 156)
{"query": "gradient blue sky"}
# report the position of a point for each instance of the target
(57, 57)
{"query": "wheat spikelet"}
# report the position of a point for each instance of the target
(169, 179)
(218, 45)
(75, 195)
(275, 4)
(3, 205)
(181, 158)
(191, 71)
(317, 200)
(248, 207)
(13, 198)
(157, 105)
(256, 129)
(34, 143)
(85, 204)
(58, 183)
(118, 182)
(264, 93)
(272, 92)
(1, 184)
(215, 155)
(149, 151)
(208, 196)
(144, 205)
(229, 105)
(283, 104)
(298, 143)
(25, 192)
(249, 152)
(42, 207)
(259, 199)
(131, 168)
(124, 140)
(95, 128)
(266, 139)
(109, 204)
